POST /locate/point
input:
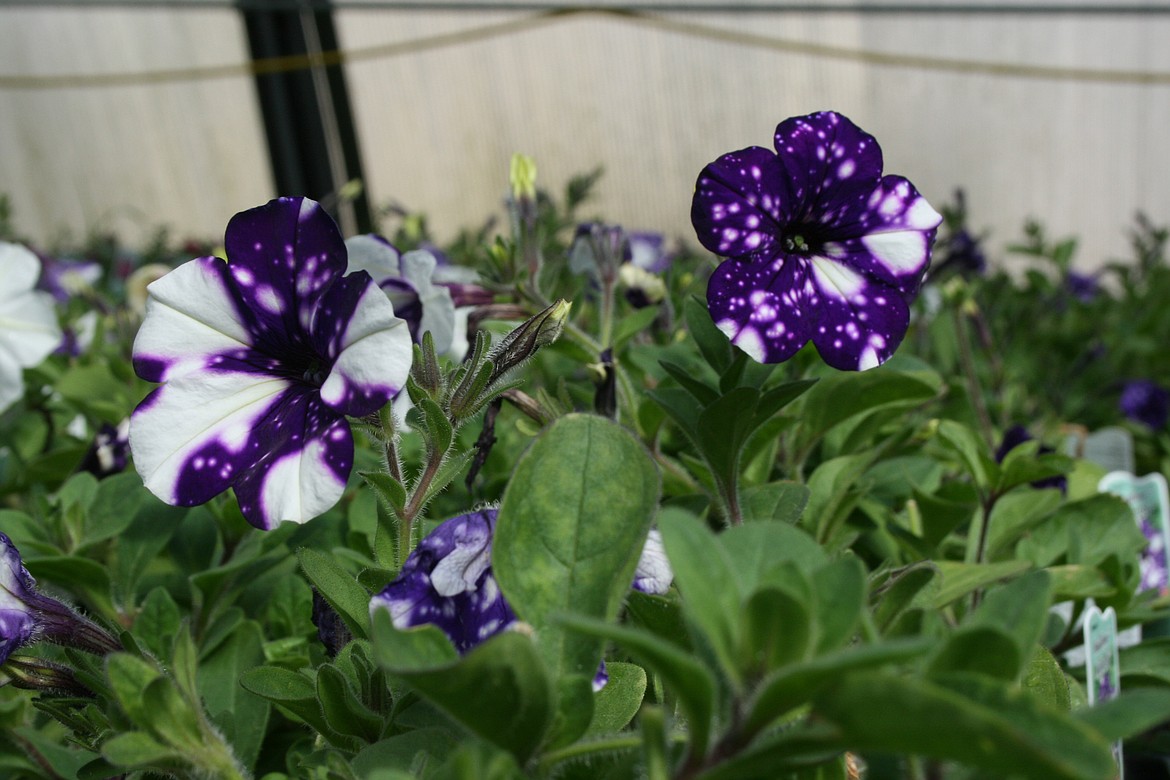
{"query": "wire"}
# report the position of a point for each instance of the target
(486, 32)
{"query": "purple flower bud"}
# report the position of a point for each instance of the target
(1083, 287)
(27, 616)
(1145, 401)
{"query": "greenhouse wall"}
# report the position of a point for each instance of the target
(1056, 115)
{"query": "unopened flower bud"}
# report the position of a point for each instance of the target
(534, 333)
(522, 174)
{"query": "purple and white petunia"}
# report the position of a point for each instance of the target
(29, 331)
(447, 581)
(261, 359)
(408, 281)
(820, 244)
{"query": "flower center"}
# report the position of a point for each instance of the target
(315, 374)
(797, 245)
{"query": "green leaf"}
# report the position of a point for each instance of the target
(158, 622)
(1131, 713)
(115, 503)
(843, 395)
(241, 715)
(402, 752)
(135, 749)
(632, 324)
(339, 588)
(839, 588)
(705, 575)
(129, 676)
(1019, 609)
(343, 709)
(779, 629)
(712, 343)
(703, 393)
(389, 490)
(972, 451)
(790, 687)
(571, 528)
(615, 705)
(1045, 679)
(978, 649)
(438, 427)
(295, 694)
(972, 720)
(1015, 515)
(500, 690)
(171, 717)
(722, 428)
(782, 502)
(959, 579)
(900, 591)
(830, 492)
(690, 680)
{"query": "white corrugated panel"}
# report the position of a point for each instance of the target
(654, 103)
(182, 153)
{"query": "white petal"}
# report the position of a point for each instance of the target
(374, 354)
(460, 569)
(299, 487)
(190, 316)
(372, 255)
(192, 411)
(837, 280)
(19, 268)
(901, 251)
(653, 574)
(11, 379)
(28, 327)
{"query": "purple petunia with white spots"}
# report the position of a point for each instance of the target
(261, 359)
(447, 581)
(820, 245)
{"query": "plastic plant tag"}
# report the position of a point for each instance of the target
(1147, 496)
(1111, 448)
(1102, 668)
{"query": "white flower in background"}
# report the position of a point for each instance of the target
(28, 322)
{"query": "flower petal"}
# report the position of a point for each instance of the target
(438, 309)
(653, 573)
(284, 256)
(764, 305)
(894, 235)
(193, 437)
(740, 202)
(21, 269)
(862, 320)
(192, 315)
(370, 348)
(28, 327)
(302, 469)
(832, 166)
(11, 379)
(373, 254)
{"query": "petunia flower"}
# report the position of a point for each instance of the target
(408, 280)
(64, 279)
(820, 245)
(28, 322)
(261, 359)
(27, 616)
(1145, 401)
(447, 581)
(110, 451)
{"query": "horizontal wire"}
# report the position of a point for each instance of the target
(485, 32)
(920, 8)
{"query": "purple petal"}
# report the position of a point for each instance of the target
(447, 581)
(741, 200)
(354, 329)
(766, 306)
(831, 165)
(284, 256)
(300, 458)
(862, 321)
